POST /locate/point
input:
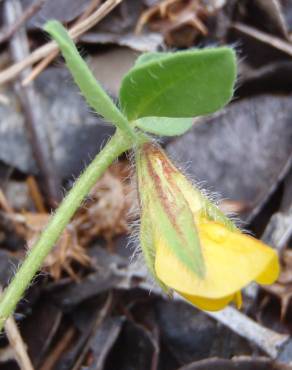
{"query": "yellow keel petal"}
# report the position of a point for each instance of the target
(238, 299)
(208, 304)
(232, 260)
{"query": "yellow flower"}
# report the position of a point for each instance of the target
(189, 245)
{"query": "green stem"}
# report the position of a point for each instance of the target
(11, 296)
(92, 91)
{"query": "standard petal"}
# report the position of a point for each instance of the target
(232, 260)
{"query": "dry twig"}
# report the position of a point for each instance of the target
(17, 344)
(59, 349)
(271, 342)
(4, 204)
(11, 72)
(33, 114)
(35, 194)
(275, 345)
(273, 41)
(28, 13)
(279, 230)
(46, 61)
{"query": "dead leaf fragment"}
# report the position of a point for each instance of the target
(66, 251)
(103, 214)
(237, 363)
(180, 21)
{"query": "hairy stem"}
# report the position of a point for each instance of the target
(91, 89)
(14, 292)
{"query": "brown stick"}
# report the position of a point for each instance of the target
(11, 72)
(46, 61)
(4, 204)
(59, 349)
(35, 194)
(17, 344)
(39, 68)
(273, 41)
(32, 111)
(27, 14)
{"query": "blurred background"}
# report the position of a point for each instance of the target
(90, 308)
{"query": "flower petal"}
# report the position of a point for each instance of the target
(232, 260)
(238, 299)
(208, 304)
(271, 273)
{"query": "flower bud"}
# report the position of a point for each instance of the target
(189, 245)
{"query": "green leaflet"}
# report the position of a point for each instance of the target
(181, 84)
(164, 126)
(164, 90)
(149, 57)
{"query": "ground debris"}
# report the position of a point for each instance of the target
(94, 308)
(180, 21)
(103, 214)
(237, 363)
